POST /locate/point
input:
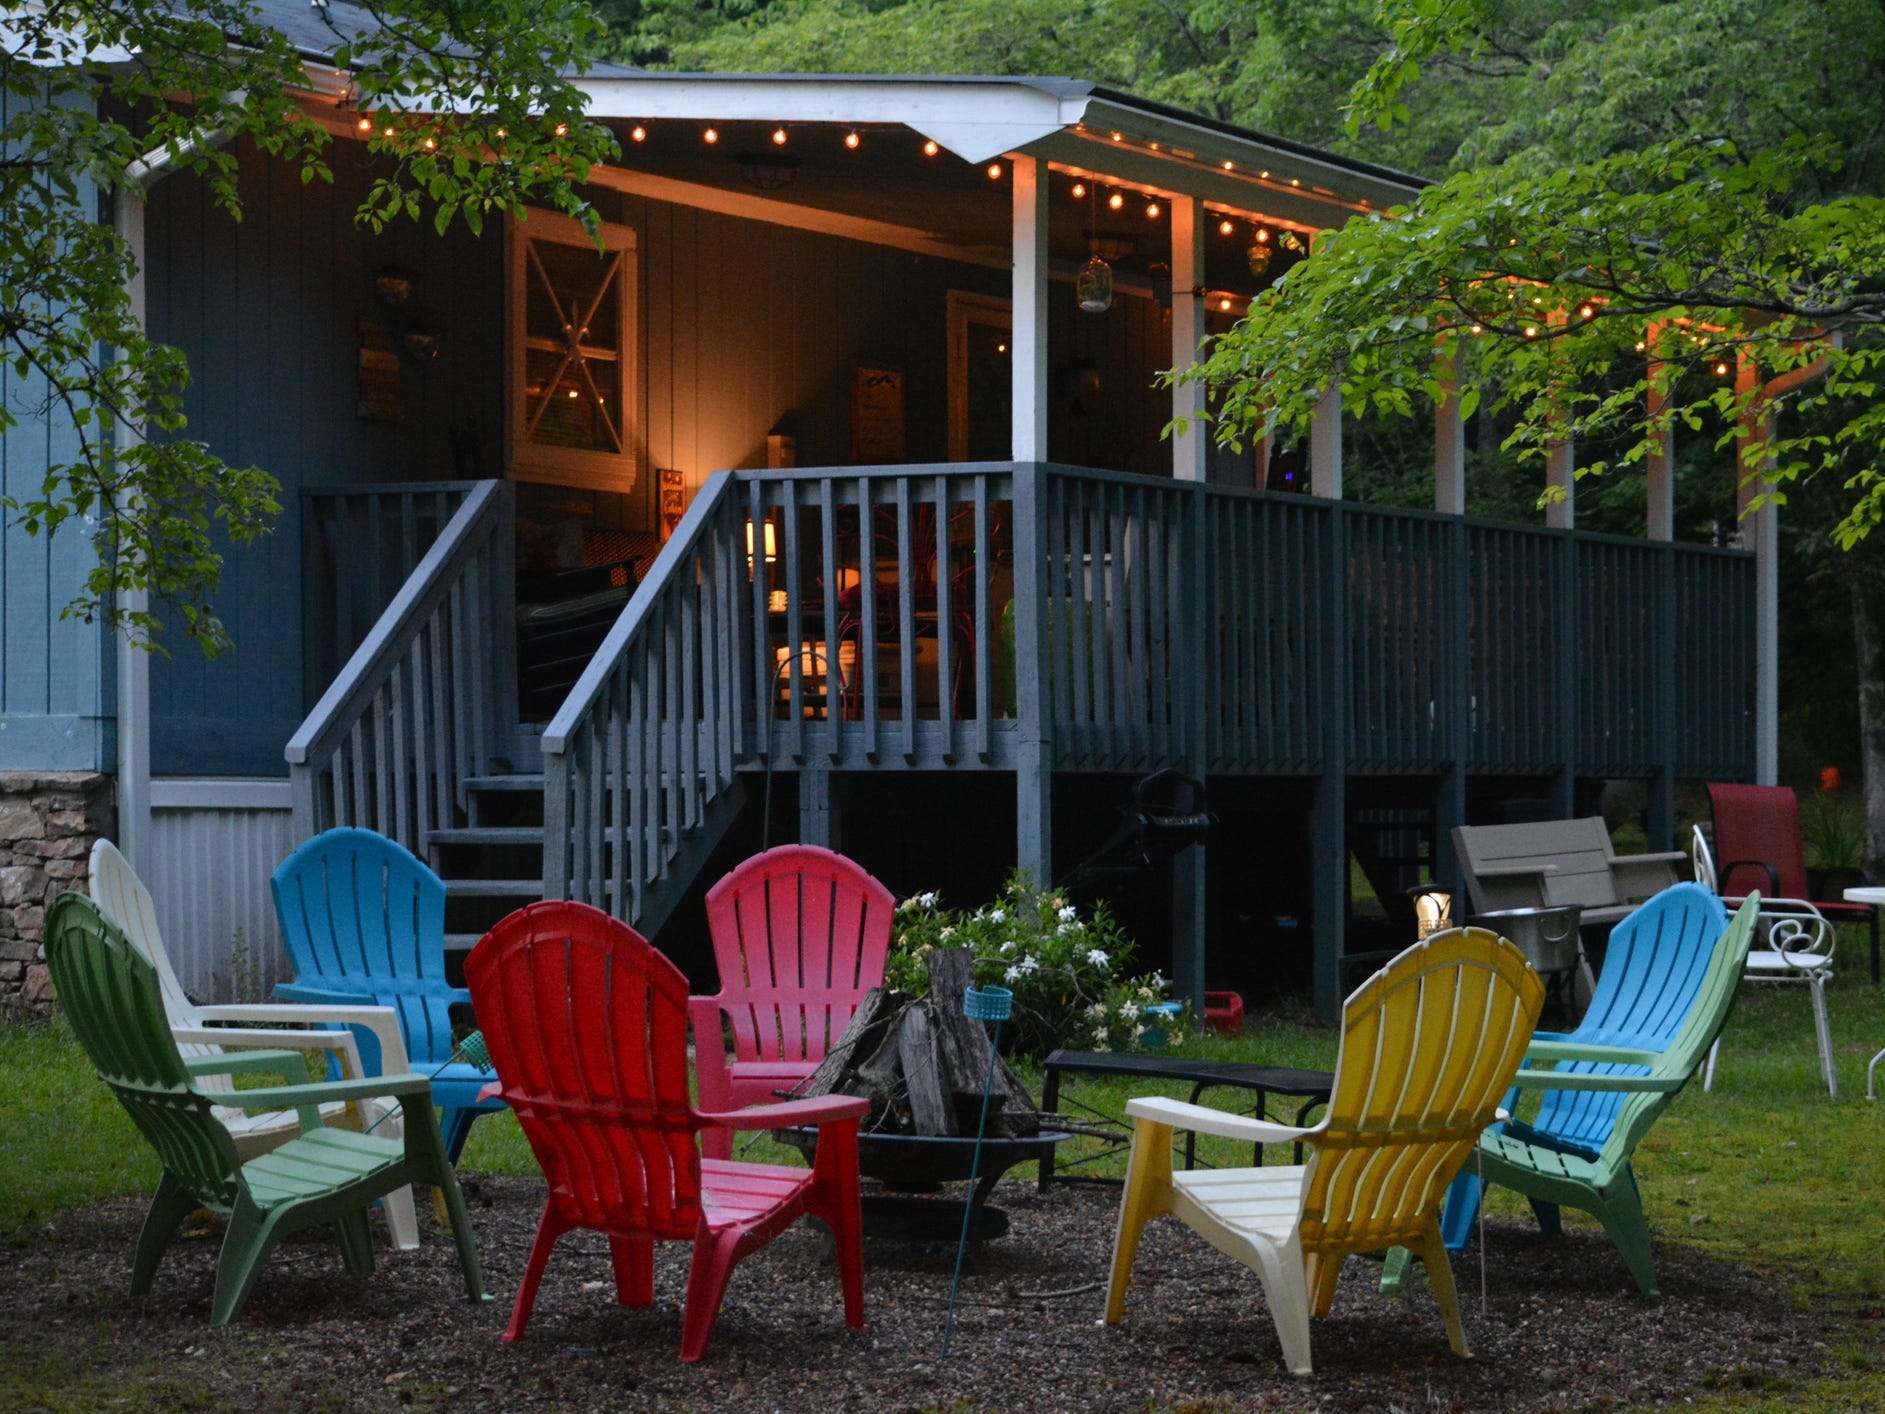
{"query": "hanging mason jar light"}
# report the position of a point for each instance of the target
(1093, 287)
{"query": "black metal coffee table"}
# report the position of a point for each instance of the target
(1266, 1080)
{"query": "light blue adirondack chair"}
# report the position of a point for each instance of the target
(1654, 966)
(364, 921)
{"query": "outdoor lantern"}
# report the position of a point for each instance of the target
(1433, 910)
(772, 545)
(1094, 286)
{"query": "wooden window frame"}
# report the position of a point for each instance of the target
(573, 466)
(966, 307)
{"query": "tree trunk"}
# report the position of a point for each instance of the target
(1868, 639)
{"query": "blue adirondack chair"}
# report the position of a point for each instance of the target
(364, 920)
(1654, 966)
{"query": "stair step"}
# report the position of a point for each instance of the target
(488, 835)
(494, 888)
(518, 782)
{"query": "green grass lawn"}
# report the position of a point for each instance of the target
(1765, 1172)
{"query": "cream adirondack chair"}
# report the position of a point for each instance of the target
(122, 897)
(1429, 1044)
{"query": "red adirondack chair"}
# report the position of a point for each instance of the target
(799, 934)
(587, 1025)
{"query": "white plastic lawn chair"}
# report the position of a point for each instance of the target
(1794, 943)
(122, 897)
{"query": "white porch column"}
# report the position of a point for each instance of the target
(1188, 443)
(1561, 470)
(133, 662)
(1660, 468)
(1029, 364)
(1449, 440)
(1761, 532)
(1325, 446)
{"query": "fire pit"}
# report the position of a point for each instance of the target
(921, 1062)
(909, 1164)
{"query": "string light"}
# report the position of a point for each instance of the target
(562, 129)
(1479, 328)
(851, 140)
(1640, 346)
(1585, 312)
(638, 133)
(1721, 370)
(1115, 201)
(1224, 228)
(1079, 188)
(930, 149)
(1229, 166)
(366, 125)
(502, 133)
(711, 136)
(1263, 236)
(431, 146)
(1265, 175)
(1531, 331)
(994, 171)
(388, 132)
(1116, 137)
(1224, 303)
(778, 137)
(1151, 210)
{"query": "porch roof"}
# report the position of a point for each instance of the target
(1070, 123)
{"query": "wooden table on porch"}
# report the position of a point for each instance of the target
(1311, 1085)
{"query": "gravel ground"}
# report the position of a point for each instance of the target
(1562, 1327)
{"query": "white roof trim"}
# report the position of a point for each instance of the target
(974, 119)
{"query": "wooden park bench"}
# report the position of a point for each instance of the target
(1551, 863)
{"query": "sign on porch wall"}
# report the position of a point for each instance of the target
(378, 373)
(877, 415)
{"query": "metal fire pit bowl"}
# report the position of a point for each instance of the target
(920, 1163)
(1547, 936)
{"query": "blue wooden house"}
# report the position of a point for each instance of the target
(829, 499)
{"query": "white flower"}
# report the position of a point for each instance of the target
(1158, 980)
(1029, 963)
(948, 932)
(1146, 993)
(1097, 957)
(1066, 928)
(1068, 914)
(927, 900)
(996, 915)
(1013, 974)
(1008, 946)
(1100, 1045)
(1097, 1011)
(1137, 1032)
(1128, 1010)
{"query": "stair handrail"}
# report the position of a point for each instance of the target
(428, 693)
(682, 768)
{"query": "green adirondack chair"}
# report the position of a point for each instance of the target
(326, 1176)
(1604, 1184)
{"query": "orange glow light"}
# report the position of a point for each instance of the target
(1115, 201)
(851, 141)
(994, 171)
(638, 133)
(712, 135)
(930, 149)
(778, 137)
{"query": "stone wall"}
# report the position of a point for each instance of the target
(48, 822)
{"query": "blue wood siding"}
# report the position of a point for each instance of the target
(55, 710)
(267, 310)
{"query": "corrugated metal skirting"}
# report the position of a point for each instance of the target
(209, 876)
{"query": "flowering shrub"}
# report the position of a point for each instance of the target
(1071, 977)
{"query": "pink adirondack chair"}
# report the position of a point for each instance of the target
(799, 934)
(587, 1025)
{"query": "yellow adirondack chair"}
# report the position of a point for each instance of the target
(1429, 1045)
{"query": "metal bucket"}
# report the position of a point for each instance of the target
(1547, 936)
